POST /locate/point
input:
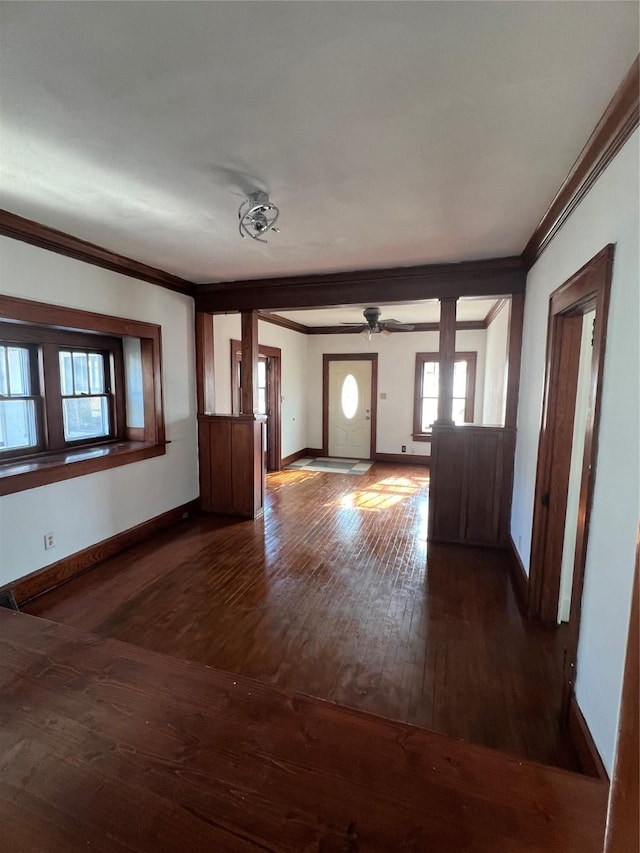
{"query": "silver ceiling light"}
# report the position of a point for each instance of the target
(257, 216)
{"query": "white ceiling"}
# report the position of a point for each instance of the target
(416, 312)
(388, 133)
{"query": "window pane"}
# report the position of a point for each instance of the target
(18, 363)
(262, 401)
(80, 373)
(429, 412)
(4, 379)
(430, 379)
(349, 397)
(262, 374)
(85, 417)
(460, 379)
(96, 373)
(457, 412)
(66, 373)
(17, 424)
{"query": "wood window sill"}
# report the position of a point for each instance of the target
(421, 436)
(19, 475)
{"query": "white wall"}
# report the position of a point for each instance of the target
(88, 509)
(609, 214)
(495, 371)
(396, 373)
(226, 327)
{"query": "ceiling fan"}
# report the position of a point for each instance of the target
(375, 325)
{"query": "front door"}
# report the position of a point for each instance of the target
(349, 415)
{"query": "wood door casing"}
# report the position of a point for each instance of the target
(326, 359)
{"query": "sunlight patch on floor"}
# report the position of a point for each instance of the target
(382, 495)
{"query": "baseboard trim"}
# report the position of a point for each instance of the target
(403, 458)
(519, 577)
(588, 755)
(44, 580)
(293, 457)
(314, 451)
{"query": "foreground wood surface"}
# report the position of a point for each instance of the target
(109, 747)
(335, 594)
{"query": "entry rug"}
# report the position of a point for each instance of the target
(330, 465)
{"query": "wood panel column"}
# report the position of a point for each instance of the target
(447, 351)
(249, 389)
(514, 355)
(205, 383)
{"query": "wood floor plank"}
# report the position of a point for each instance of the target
(108, 746)
(335, 593)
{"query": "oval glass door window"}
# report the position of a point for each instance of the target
(349, 398)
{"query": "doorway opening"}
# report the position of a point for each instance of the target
(269, 396)
(567, 452)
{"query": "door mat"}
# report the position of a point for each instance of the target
(330, 465)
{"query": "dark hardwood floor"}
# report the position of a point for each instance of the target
(108, 747)
(335, 594)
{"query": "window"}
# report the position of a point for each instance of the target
(68, 404)
(427, 387)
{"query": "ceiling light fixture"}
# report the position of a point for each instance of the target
(257, 216)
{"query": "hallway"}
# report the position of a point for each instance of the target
(335, 594)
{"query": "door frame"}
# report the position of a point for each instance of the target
(327, 358)
(273, 356)
(587, 289)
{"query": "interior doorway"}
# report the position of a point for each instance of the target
(269, 396)
(349, 391)
(567, 451)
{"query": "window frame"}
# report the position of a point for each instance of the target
(49, 328)
(422, 358)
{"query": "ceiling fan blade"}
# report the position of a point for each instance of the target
(397, 327)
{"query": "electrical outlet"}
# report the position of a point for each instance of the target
(49, 541)
(404, 448)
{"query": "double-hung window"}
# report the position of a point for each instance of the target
(427, 391)
(58, 390)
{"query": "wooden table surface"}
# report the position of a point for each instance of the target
(108, 747)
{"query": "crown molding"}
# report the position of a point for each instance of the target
(618, 122)
(284, 322)
(493, 312)
(18, 228)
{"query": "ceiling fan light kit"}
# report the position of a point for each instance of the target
(257, 216)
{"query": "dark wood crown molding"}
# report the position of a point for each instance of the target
(284, 322)
(618, 122)
(493, 312)
(19, 228)
(492, 277)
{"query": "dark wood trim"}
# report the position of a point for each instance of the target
(588, 288)
(493, 312)
(519, 577)
(624, 818)
(588, 755)
(284, 322)
(446, 359)
(461, 326)
(514, 359)
(471, 357)
(326, 359)
(19, 228)
(312, 452)
(494, 277)
(618, 122)
(205, 370)
(20, 475)
(249, 386)
(293, 457)
(403, 458)
(43, 580)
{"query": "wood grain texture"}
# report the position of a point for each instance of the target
(492, 277)
(29, 587)
(335, 593)
(514, 359)
(618, 122)
(582, 739)
(19, 228)
(471, 484)
(493, 312)
(446, 359)
(624, 806)
(114, 748)
(403, 458)
(461, 326)
(205, 373)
